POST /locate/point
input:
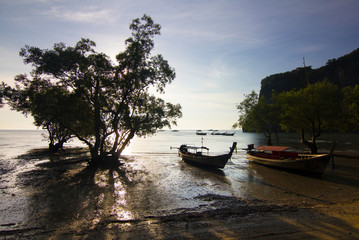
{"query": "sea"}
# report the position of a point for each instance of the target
(17, 142)
(156, 180)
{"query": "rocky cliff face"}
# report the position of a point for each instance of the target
(343, 72)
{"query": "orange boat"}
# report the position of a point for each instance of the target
(288, 159)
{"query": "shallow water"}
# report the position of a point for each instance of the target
(153, 180)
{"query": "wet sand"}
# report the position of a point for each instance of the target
(60, 198)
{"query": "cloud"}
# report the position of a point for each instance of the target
(224, 23)
(90, 14)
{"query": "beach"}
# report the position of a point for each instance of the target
(157, 196)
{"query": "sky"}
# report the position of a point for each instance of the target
(220, 49)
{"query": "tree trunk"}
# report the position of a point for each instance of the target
(95, 155)
(311, 145)
(108, 159)
(276, 135)
(269, 139)
(269, 136)
(314, 146)
(95, 158)
(126, 142)
(53, 147)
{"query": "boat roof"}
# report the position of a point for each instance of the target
(193, 147)
(273, 148)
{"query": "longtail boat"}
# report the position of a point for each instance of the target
(286, 158)
(196, 155)
(199, 132)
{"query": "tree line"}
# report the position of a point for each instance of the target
(78, 92)
(315, 108)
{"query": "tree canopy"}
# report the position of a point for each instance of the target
(82, 93)
(351, 108)
(314, 108)
(244, 109)
(258, 115)
(306, 99)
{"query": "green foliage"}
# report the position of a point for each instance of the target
(317, 104)
(316, 107)
(103, 104)
(300, 100)
(244, 108)
(351, 108)
(257, 115)
(43, 101)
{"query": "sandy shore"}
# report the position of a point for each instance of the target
(66, 203)
(236, 221)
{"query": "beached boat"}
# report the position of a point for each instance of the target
(228, 134)
(288, 159)
(196, 155)
(199, 132)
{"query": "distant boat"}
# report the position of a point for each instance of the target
(229, 134)
(285, 158)
(215, 132)
(195, 155)
(175, 131)
(199, 132)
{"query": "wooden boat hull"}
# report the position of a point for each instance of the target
(201, 133)
(218, 161)
(209, 161)
(309, 163)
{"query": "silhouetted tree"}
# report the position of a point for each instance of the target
(2, 92)
(104, 104)
(43, 101)
(244, 108)
(257, 115)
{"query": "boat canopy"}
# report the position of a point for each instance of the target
(272, 148)
(196, 148)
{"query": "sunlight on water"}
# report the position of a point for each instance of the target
(120, 194)
(100, 198)
(115, 197)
